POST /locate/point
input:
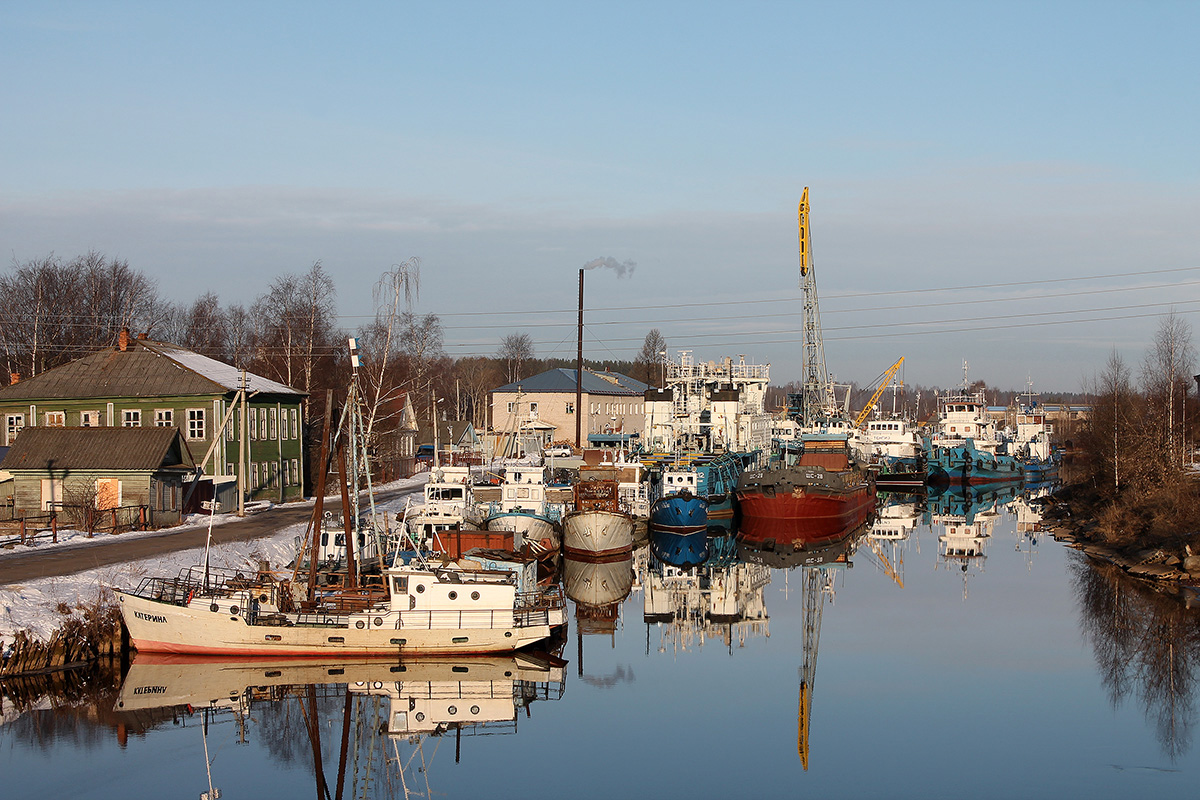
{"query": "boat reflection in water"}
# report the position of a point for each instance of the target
(821, 559)
(964, 518)
(598, 586)
(720, 599)
(384, 703)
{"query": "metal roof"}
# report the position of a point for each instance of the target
(145, 369)
(98, 448)
(563, 380)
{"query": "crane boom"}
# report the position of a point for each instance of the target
(883, 383)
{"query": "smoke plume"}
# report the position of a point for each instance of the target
(622, 268)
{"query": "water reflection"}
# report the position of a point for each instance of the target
(964, 518)
(380, 712)
(1146, 645)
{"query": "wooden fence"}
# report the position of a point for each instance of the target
(27, 528)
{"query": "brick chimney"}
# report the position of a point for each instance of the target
(123, 340)
(14, 377)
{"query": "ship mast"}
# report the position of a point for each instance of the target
(815, 400)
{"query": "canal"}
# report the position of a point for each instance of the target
(951, 650)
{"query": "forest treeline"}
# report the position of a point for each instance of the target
(58, 309)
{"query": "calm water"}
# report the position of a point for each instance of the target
(1028, 673)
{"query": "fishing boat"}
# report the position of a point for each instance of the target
(423, 609)
(1031, 445)
(448, 506)
(597, 529)
(812, 502)
(524, 511)
(413, 607)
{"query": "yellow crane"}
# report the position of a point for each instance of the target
(883, 384)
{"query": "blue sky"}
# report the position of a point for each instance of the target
(984, 145)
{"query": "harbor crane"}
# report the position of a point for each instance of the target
(883, 380)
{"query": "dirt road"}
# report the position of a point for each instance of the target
(18, 567)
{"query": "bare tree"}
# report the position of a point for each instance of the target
(421, 340)
(653, 352)
(297, 317)
(515, 350)
(1166, 375)
(205, 327)
(378, 341)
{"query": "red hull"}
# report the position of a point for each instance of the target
(804, 518)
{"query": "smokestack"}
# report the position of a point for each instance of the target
(123, 340)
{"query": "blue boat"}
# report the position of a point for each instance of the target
(963, 463)
(683, 550)
(684, 485)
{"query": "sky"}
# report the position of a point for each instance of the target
(1013, 185)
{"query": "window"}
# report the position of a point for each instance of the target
(229, 428)
(196, 427)
(570, 408)
(252, 423)
(89, 419)
(13, 423)
(274, 423)
(164, 418)
(295, 427)
(512, 407)
(262, 426)
(254, 476)
(229, 469)
(296, 472)
(274, 474)
(533, 408)
(56, 419)
(131, 418)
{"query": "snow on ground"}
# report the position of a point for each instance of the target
(32, 605)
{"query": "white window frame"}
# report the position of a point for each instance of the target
(13, 424)
(197, 421)
(295, 427)
(94, 419)
(55, 419)
(131, 418)
(164, 418)
(274, 417)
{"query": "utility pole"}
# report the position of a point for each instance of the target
(242, 487)
(579, 371)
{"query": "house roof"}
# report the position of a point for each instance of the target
(98, 448)
(145, 369)
(458, 430)
(563, 380)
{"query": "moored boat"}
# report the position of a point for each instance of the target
(811, 502)
(422, 609)
(597, 530)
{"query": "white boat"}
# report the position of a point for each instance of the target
(524, 511)
(448, 504)
(423, 609)
(884, 441)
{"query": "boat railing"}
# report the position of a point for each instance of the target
(215, 581)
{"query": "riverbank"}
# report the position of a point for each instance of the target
(1171, 561)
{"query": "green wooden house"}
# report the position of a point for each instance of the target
(146, 384)
(70, 470)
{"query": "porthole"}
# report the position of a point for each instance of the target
(474, 709)
(474, 595)
(420, 587)
(378, 621)
(453, 595)
(420, 716)
(262, 598)
(508, 634)
(452, 710)
(234, 610)
(360, 624)
(214, 608)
